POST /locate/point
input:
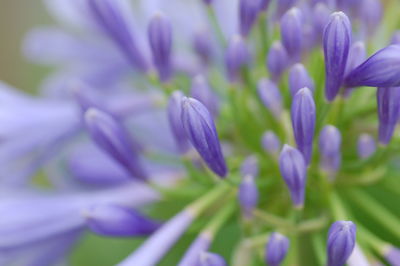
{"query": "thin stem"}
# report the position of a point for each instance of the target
(273, 220)
(318, 245)
(215, 25)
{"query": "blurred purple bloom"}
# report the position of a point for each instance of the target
(392, 256)
(200, 129)
(337, 40)
(201, 90)
(357, 257)
(248, 195)
(271, 143)
(366, 146)
(249, 166)
(203, 45)
(283, 6)
(293, 170)
(264, 4)
(237, 56)
(330, 141)
(379, 70)
(371, 12)
(277, 60)
(388, 101)
(291, 32)
(193, 253)
(270, 96)
(341, 242)
(276, 249)
(211, 259)
(299, 78)
(248, 12)
(321, 14)
(303, 121)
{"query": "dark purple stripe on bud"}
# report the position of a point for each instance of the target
(237, 56)
(270, 96)
(202, 91)
(292, 32)
(330, 141)
(294, 171)
(248, 12)
(211, 259)
(203, 45)
(366, 146)
(276, 249)
(382, 69)
(299, 78)
(160, 40)
(388, 101)
(303, 121)
(249, 166)
(198, 247)
(336, 41)
(248, 195)
(174, 111)
(341, 242)
(113, 139)
(112, 220)
(200, 129)
(277, 60)
(271, 143)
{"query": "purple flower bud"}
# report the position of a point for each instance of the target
(303, 121)
(248, 195)
(208, 2)
(395, 37)
(270, 96)
(237, 56)
(202, 45)
(160, 40)
(113, 139)
(330, 141)
(264, 4)
(341, 241)
(202, 91)
(291, 32)
(336, 40)
(299, 78)
(198, 247)
(293, 170)
(283, 6)
(357, 55)
(371, 12)
(365, 146)
(248, 12)
(388, 100)
(249, 166)
(85, 97)
(392, 255)
(109, 15)
(211, 259)
(113, 220)
(321, 14)
(271, 143)
(277, 60)
(174, 110)
(276, 250)
(200, 129)
(382, 69)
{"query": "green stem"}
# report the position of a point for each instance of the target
(209, 198)
(339, 212)
(220, 218)
(274, 220)
(318, 245)
(215, 25)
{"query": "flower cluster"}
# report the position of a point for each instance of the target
(274, 118)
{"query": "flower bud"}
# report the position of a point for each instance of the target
(211, 259)
(382, 69)
(299, 78)
(113, 139)
(200, 129)
(198, 247)
(270, 96)
(321, 14)
(303, 121)
(371, 12)
(277, 60)
(365, 146)
(276, 250)
(392, 255)
(174, 111)
(248, 12)
(202, 45)
(291, 32)
(237, 56)
(112, 220)
(271, 143)
(249, 166)
(85, 97)
(336, 40)
(341, 241)
(293, 170)
(330, 141)
(388, 100)
(248, 195)
(283, 6)
(357, 55)
(160, 40)
(202, 91)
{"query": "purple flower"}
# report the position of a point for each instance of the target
(303, 121)
(371, 12)
(291, 32)
(114, 220)
(293, 170)
(276, 249)
(357, 55)
(248, 12)
(299, 78)
(392, 255)
(277, 60)
(283, 6)
(336, 40)
(237, 56)
(379, 70)
(110, 16)
(341, 242)
(270, 96)
(193, 253)
(160, 40)
(264, 4)
(366, 146)
(201, 90)
(203, 45)
(174, 110)
(321, 14)
(211, 259)
(388, 101)
(200, 129)
(248, 195)
(113, 139)
(271, 143)
(330, 141)
(249, 166)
